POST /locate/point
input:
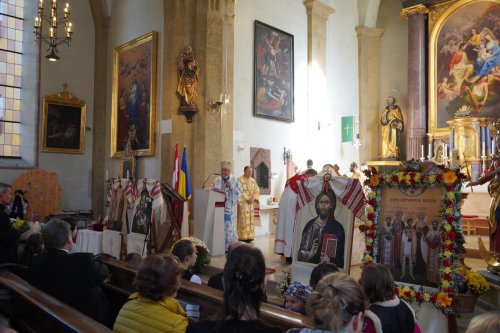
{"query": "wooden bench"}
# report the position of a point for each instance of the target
(209, 299)
(476, 226)
(32, 310)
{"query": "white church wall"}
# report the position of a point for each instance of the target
(342, 84)
(289, 16)
(394, 59)
(76, 68)
(340, 95)
(131, 19)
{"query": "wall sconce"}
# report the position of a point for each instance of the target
(287, 153)
(215, 106)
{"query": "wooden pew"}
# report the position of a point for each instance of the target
(209, 299)
(32, 310)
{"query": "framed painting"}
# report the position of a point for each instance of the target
(133, 113)
(414, 227)
(325, 231)
(464, 62)
(127, 167)
(273, 73)
(63, 124)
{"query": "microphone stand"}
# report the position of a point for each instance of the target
(210, 175)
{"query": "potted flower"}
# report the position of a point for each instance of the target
(204, 256)
(470, 286)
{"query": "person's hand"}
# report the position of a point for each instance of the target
(314, 248)
(324, 258)
(228, 183)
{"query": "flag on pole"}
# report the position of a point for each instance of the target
(184, 184)
(175, 173)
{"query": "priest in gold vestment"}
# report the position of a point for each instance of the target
(392, 126)
(248, 199)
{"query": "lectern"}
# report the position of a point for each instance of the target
(209, 219)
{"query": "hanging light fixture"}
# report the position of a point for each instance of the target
(53, 21)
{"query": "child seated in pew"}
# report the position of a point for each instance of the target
(296, 296)
(133, 258)
(34, 246)
(387, 312)
(321, 270)
(336, 305)
(185, 250)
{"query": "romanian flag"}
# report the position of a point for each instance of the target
(176, 170)
(184, 188)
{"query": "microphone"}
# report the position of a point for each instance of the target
(210, 175)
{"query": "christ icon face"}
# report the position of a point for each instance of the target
(324, 206)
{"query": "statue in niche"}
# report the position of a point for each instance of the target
(187, 87)
(392, 125)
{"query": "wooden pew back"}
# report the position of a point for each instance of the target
(35, 311)
(209, 299)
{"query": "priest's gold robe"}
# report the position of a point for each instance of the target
(249, 198)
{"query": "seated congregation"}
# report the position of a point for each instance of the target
(157, 293)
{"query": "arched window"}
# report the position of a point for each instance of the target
(18, 97)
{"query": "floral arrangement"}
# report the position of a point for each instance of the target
(284, 281)
(476, 284)
(452, 240)
(204, 256)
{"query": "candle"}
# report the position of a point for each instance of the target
(422, 151)
(107, 175)
(430, 150)
(445, 150)
(128, 174)
(484, 150)
(493, 146)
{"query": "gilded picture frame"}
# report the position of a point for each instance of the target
(133, 111)
(273, 73)
(463, 37)
(63, 124)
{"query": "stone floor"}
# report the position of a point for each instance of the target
(266, 245)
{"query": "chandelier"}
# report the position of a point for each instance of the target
(53, 21)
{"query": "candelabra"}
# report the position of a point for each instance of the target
(53, 21)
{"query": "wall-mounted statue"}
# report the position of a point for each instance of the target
(392, 125)
(187, 88)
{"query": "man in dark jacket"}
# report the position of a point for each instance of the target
(73, 278)
(8, 235)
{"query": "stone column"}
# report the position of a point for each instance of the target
(369, 91)
(101, 23)
(416, 124)
(317, 15)
(208, 138)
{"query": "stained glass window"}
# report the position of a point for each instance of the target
(11, 70)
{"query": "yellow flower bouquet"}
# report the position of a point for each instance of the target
(476, 283)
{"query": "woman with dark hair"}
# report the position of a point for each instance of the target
(387, 312)
(336, 306)
(34, 246)
(185, 250)
(244, 289)
(153, 308)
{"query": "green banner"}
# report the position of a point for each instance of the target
(347, 128)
